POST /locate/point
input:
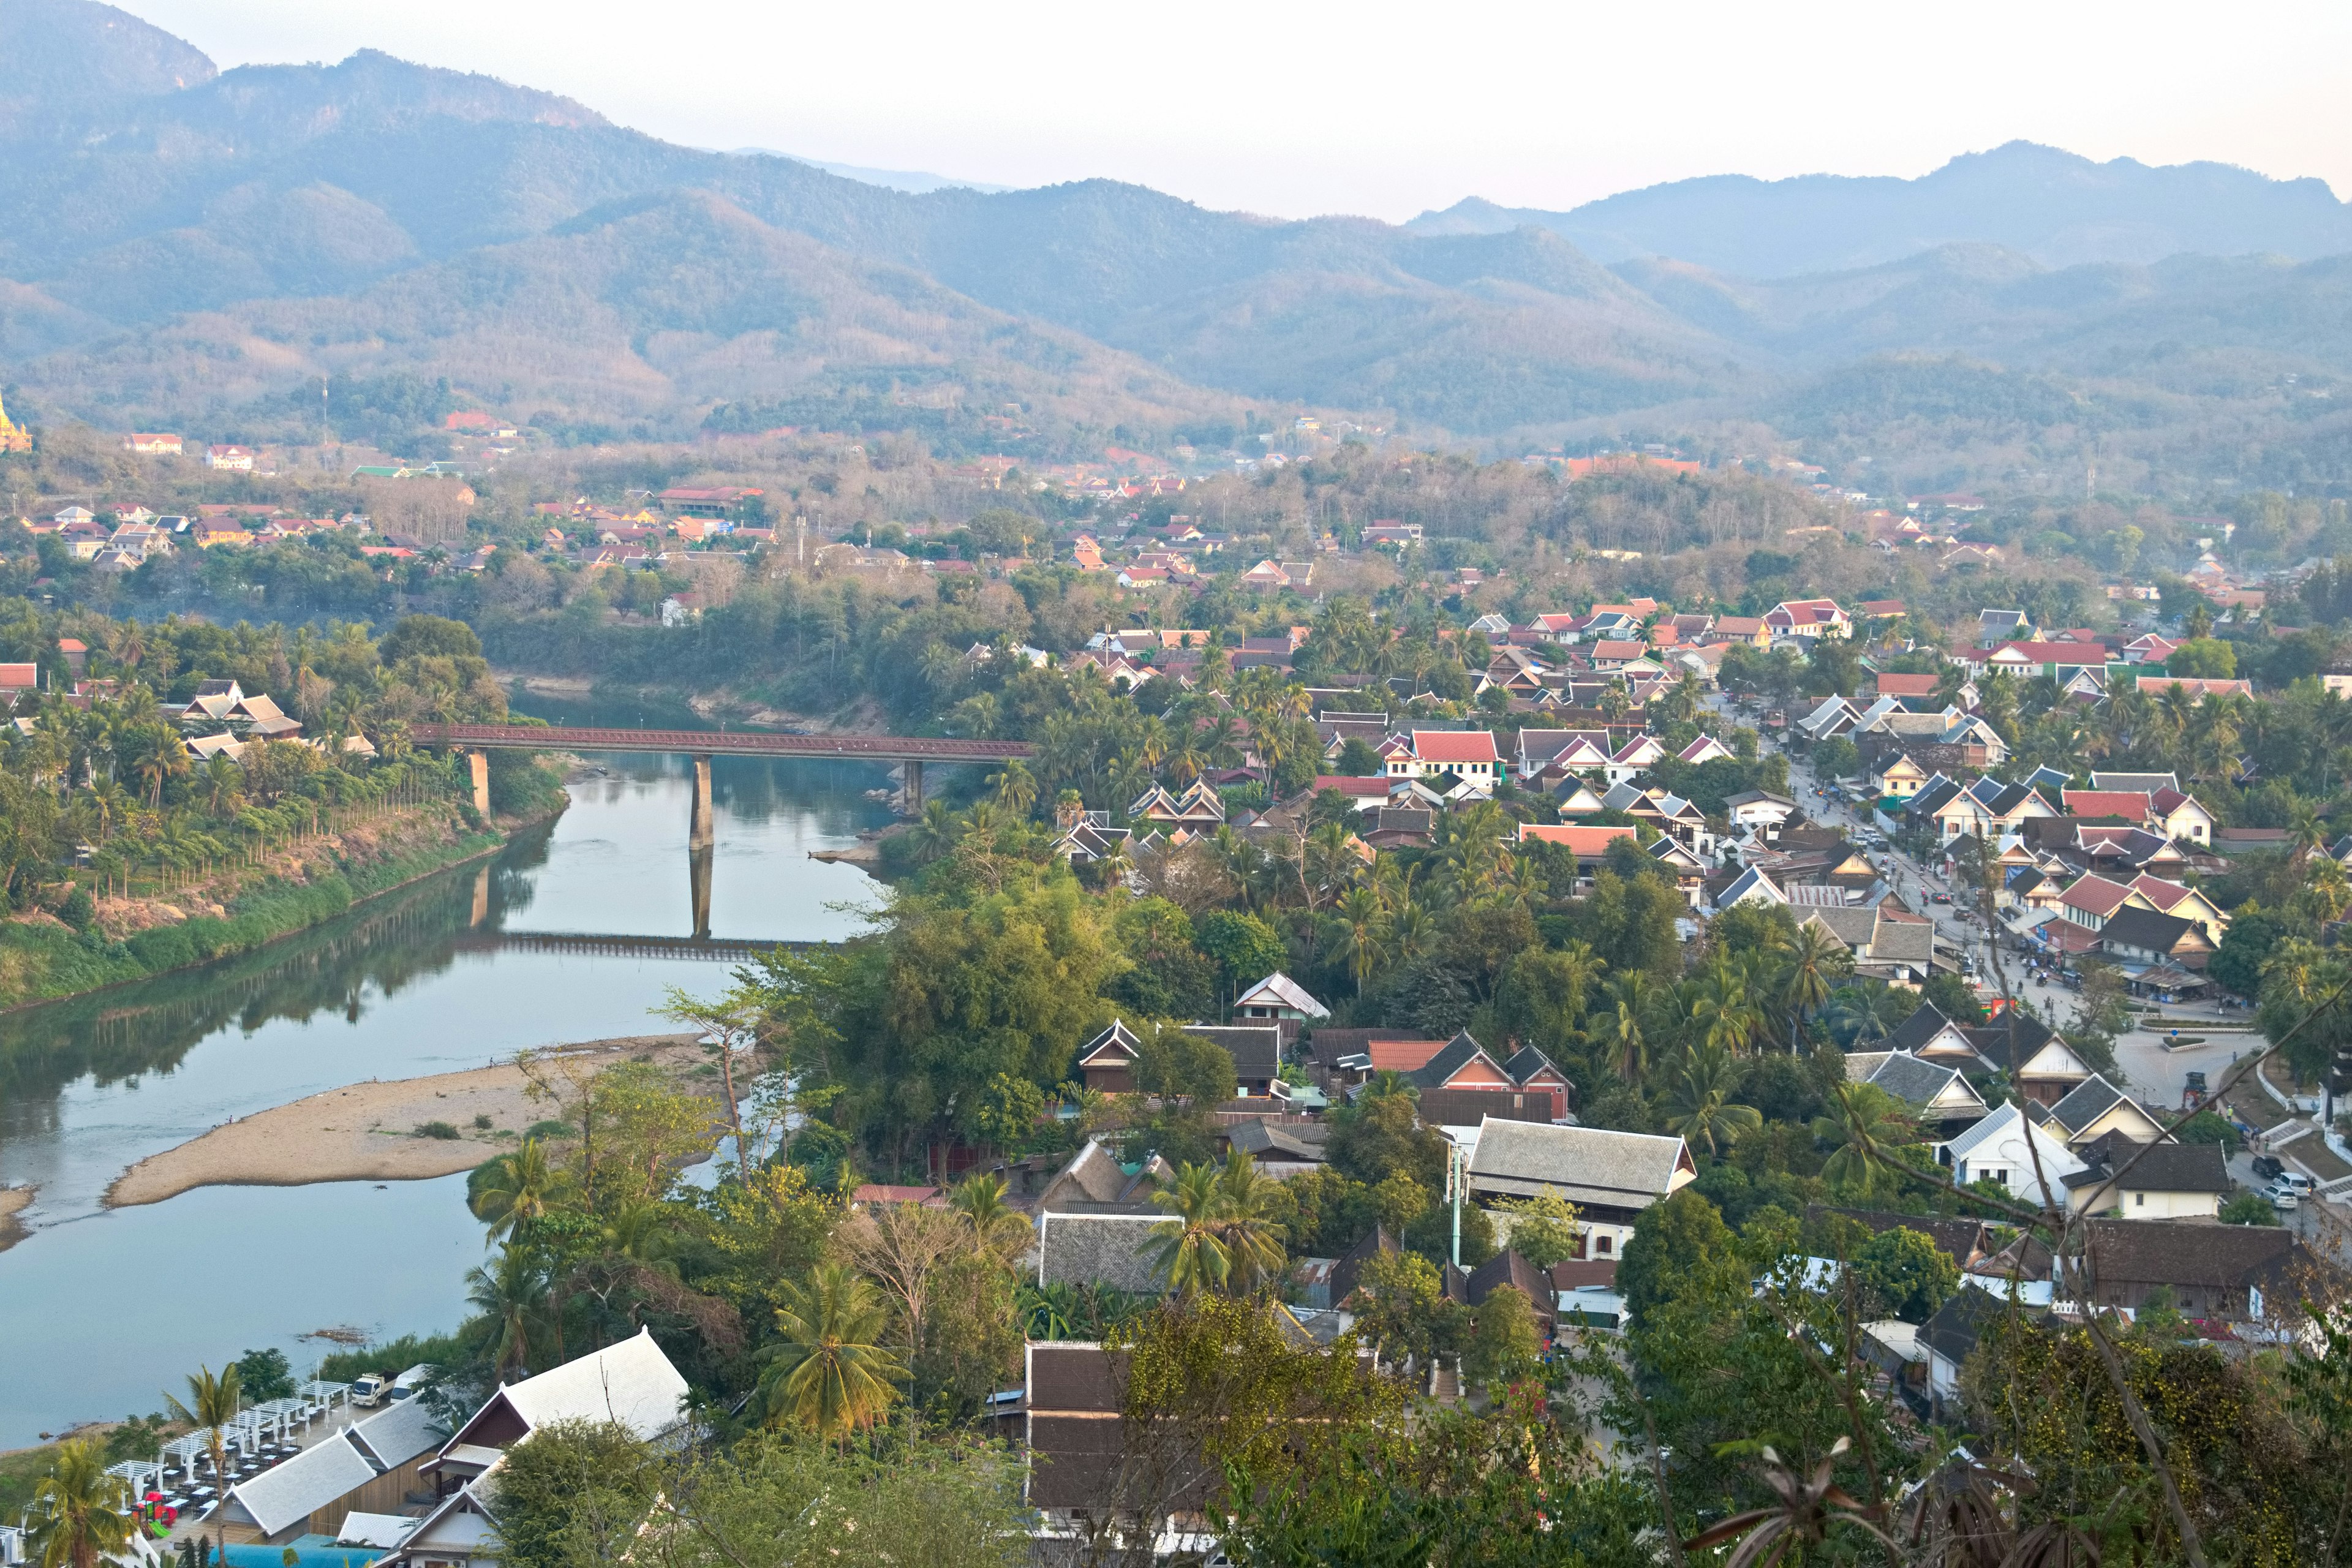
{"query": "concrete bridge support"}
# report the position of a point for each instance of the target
(913, 788)
(478, 768)
(700, 835)
(697, 870)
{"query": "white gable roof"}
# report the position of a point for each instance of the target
(285, 1495)
(632, 1383)
(2001, 1137)
(1279, 990)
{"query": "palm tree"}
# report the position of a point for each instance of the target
(80, 1514)
(935, 834)
(1721, 1012)
(1622, 1026)
(1867, 1125)
(1186, 1249)
(1016, 788)
(1366, 922)
(517, 1190)
(1699, 1105)
(1815, 960)
(1250, 1240)
(223, 781)
(999, 1226)
(829, 1373)
(213, 1404)
(513, 1297)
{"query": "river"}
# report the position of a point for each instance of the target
(100, 1309)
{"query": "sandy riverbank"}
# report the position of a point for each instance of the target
(366, 1132)
(12, 1199)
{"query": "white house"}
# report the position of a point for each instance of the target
(1997, 1150)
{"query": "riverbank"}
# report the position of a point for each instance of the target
(13, 1200)
(372, 1132)
(42, 960)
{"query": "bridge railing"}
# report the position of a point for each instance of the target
(733, 742)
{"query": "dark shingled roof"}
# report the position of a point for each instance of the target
(1256, 1049)
(1457, 1052)
(1917, 1029)
(2166, 1168)
(1953, 1332)
(2169, 1252)
(2135, 927)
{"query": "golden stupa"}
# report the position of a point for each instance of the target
(13, 438)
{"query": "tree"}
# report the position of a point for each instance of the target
(265, 1376)
(1174, 1064)
(1700, 1108)
(1247, 1204)
(1245, 949)
(429, 637)
(1186, 1249)
(1544, 1230)
(1867, 1128)
(827, 1372)
(1907, 1274)
(512, 1297)
(513, 1191)
(213, 1403)
(1503, 1344)
(1670, 1240)
(80, 1514)
(2203, 657)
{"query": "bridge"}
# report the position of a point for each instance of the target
(719, 950)
(913, 751)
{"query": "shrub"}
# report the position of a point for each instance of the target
(435, 1130)
(78, 910)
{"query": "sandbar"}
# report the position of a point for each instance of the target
(366, 1132)
(11, 1200)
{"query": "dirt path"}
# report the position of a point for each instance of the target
(367, 1131)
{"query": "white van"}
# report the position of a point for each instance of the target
(407, 1385)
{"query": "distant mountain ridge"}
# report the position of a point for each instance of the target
(2060, 209)
(191, 246)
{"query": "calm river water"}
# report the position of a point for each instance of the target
(100, 1310)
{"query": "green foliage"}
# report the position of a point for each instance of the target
(2205, 658)
(1244, 949)
(1907, 1274)
(1672, 1241)
(574, 1495)
(263, 1375)
(2249, 1209)
(1544, 1230)
(1175, 1065)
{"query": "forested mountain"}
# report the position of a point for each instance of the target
(2060, 209)
(191, 247)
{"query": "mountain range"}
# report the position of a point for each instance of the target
(183, 244)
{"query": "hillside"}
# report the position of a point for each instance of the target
(196, 247)
(2060, 209)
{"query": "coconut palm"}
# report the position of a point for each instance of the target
(999, 1226)
(1252, 1240)
(1721, 1013)
(213, 1404)
(1186, 1249)
(935, 834)
(1816, 961)
(1699, 1106)
(512, 1299)
(1622, 1026)
(80, 1514)
(515, 1191)
(1016, 788)
(1867, 1125)
(1366, 923)
(829, 1373)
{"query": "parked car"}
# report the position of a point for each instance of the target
(2282, 1196)
(2268, 1167)
(1939, 898)
(2294, 1179)
(410, 1382)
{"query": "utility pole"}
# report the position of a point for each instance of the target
(1457, 1176)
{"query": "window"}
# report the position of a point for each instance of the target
(2139, 1200)
(2001, 1176)
(1605, 1245)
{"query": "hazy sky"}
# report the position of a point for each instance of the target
(1382, 109)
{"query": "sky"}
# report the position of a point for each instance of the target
(1380, 108)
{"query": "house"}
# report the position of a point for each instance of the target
(151, 444)
(1589, 844)
(1461, 1063)
(1885, 945)
(2134, 935)
(2128, 806)
(1257, 1050)
(1567, 751)
(236, 460)
(1950, 1337)
(2093, 901)
(630, 1385)
(1705, 749)
(1807, 619)
(1506, 1268)
(2098, 1108)
(1938, 1093)
(1469, 754)
(1634, 757)
(1995, 627)
(1610, 1177)
(2184, 902)
(1278, 999)
(1899, 779)
(1929, 1034)
(1106, 1062)
(1751, 886)
(2239, 1273)
(2181, 817)
(2008, 1150)
(1389, 532)
(369, 1467)
(1538, 1075)
(1265, 575)
(1834, 716)
(1761, 811)
(2156, 1181)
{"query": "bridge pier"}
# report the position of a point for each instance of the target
(697, 872)
(699, 834)
(914, 787)
(481, 898)
(477, 769)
